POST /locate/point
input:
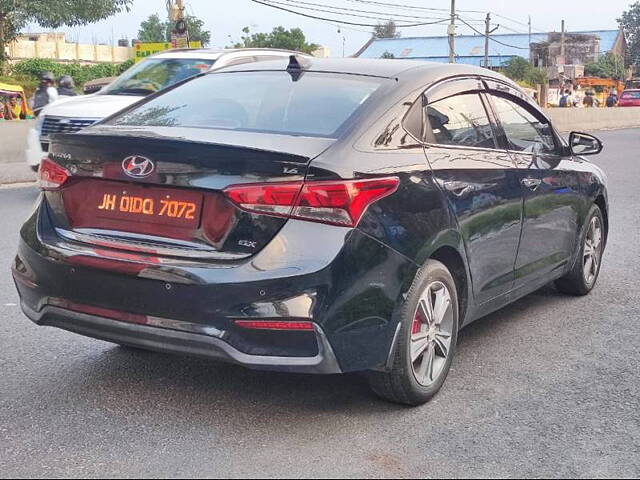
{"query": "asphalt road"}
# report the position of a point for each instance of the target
(549, 386)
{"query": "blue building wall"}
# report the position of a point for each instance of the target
(470, 48)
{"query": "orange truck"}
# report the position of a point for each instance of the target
(603, 84)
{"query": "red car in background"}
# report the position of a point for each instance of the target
(630, 98)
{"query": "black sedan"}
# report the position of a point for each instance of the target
(318, 216)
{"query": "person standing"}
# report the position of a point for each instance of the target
(46, 92)
(612, 99)
(566, 101)
(66, 86)
(588, 101)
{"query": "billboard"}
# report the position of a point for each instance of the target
(144, 50)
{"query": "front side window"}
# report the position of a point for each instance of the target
(315, 104)
(460, 120)
(525, 131)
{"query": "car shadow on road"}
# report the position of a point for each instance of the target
(223, 386)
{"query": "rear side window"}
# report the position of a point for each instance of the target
(631, 95)
(460, 120)
(317, 104)
(525, 131)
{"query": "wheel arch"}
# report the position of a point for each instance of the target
(454, 261)
(601, 202)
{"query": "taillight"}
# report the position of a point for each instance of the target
(275, 325)
(340, 202)
(51, 175)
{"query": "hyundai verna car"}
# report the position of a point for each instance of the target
(313, 215)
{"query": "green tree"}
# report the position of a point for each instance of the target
(520, 70)
(609, 65)
(386, 30)
(630, 22)
(153, 29)
(16, 14)
(279, 37)
(516, 69)
(196, 30)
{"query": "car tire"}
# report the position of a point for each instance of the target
(414, 378)
(34, 168)
(586, 269)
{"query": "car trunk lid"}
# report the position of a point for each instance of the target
(159, 189)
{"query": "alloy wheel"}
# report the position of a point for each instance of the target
(431, 333)
(592, 252)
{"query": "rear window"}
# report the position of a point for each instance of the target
(631, 95)
(317, 104)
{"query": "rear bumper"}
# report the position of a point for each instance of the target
(181, 342)
(343, 281)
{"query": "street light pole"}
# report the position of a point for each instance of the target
(452, 33)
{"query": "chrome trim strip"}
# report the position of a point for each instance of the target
(183, 326)
(192, 251)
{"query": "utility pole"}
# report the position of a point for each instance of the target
(487, 35)
(562, 45)
(530, 56)
(180, 34)
(487, 32)
(452, 33)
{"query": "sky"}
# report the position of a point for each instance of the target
(226, 18)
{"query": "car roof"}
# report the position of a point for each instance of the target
(421, 71)
(216, 53)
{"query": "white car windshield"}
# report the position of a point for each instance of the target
(155, 74)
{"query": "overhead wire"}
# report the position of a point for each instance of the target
(343, 22)
(295, 7)
(490, 37)
(410, 7)
(387, 15)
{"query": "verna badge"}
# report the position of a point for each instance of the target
(138, 167)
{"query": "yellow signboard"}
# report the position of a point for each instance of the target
(144, 50)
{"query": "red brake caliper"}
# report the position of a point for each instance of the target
(418, 320)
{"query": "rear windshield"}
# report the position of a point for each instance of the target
(631, 95)
(316, 104)
(155, 74)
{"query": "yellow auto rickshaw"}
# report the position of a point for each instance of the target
(8, 91)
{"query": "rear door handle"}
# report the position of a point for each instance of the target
(531, 183)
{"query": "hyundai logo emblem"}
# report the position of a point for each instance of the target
(137, 167)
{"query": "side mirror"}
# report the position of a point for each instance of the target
(584, 144)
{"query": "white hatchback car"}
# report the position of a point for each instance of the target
(70, 114)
